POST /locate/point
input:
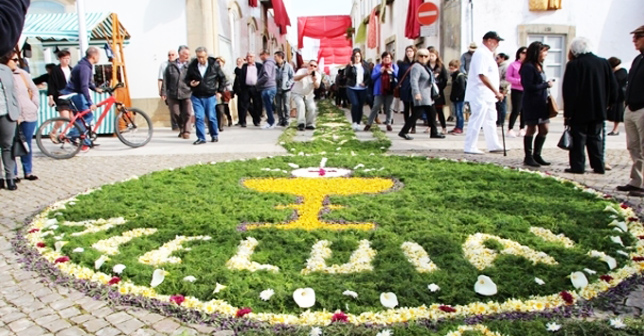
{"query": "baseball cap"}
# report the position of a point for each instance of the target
(638, 31)
(492, 35)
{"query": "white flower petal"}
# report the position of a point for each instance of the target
(78, 250)
(539, 281)
(624, 253)
(553, 326)
(389, 300)
(118, 268)
(619, 225)
(323, 162)
(315, 331)
(265, 295)
(589, 271)
(218, 288)
(350, 293)
(485, 286)
(190, 278)
(59, 245)
(433, 287)
(617, 323)
(304, 297)
(100, 261)
(617, 240)
(157, 277)
(293, 165)
(385, 332)
(578, 280)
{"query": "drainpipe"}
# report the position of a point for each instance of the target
(471, 21)
(82, 27)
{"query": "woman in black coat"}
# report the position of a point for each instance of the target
(358, 76)
(403, 81)
(58, 79)
(535, 103)
(616, 111)
(441, 76)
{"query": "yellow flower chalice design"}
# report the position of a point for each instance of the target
(314, 185)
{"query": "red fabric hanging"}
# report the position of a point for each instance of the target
(253, 3)
(281, 16)
(335, 50)
(319, 27)
(412, 27)
(373, 32)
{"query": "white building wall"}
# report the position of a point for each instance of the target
(606, 23)
(156, 27)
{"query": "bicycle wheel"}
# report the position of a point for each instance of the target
(65, 144)
(133, 127)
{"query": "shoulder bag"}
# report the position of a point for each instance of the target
(565, 142)
(397, 88)
(553, 109)
(20, 147)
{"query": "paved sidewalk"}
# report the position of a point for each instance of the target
(29, 307)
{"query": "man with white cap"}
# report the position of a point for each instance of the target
(482, 93)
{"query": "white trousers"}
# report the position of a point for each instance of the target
(483, 115)
(305, 106)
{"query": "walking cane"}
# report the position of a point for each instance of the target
(505, 153)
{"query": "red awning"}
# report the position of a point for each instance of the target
(412, 27)
(253, 3)
(281, 16)
(319, 27)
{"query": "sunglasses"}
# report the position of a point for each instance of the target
(423, 56)
(15, 60)
(313, 65)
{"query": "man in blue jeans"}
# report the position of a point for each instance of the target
(268, 86)
(80, 82)
(207, 82)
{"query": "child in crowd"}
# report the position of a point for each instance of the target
(457, 96)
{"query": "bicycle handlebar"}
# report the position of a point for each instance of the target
(111, 90)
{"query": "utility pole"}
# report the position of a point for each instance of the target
(82, 27)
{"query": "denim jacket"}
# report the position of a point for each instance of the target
(284, 77)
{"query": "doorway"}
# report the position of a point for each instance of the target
(555, 63)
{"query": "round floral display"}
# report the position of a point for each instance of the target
(361, 239)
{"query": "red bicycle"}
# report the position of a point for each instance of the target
(62, 138)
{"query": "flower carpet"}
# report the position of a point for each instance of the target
(338, 238)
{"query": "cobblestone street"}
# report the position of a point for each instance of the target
(30, 307)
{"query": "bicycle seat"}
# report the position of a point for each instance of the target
(67, 96)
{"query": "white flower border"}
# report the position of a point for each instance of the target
(110, 246)
(548, 236)
(482, 257)
(321, 318)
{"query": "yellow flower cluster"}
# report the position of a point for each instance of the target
(482, 257)
(418, 257)
(360, 260)
(110, 246)
(162, 255)
(241, 260)
(548, 236)
(314, 191)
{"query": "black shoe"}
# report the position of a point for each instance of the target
(405, 136)
(530, 161)
(199, 142)
(1, 183)
(31, 177)
(541, 161)
(11, 185)
(629, 187)
(310, 127)
(569, 170)
(600, 172)
(214, 139)
(221, 130)
(243, 125)
(437, 136)
(300, 127)
(256, 124)
(16, 179)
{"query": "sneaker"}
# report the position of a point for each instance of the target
(268, 126)
(474, 151)
(456, 131)
(85, 149)
(355, 126)
(522, 132)
(310, 127)
(512, 134)
(300, 127)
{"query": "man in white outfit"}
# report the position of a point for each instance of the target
(482, 93)
(306, 80)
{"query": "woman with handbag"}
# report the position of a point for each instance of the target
(535, 103)
(358, 79)
(9, 113)
(441, 78)
(403, 89)
(424, 91)
(384, 78)
(27, 95)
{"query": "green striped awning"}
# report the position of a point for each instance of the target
(64, 27)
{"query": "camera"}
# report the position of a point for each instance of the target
(313, 73)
